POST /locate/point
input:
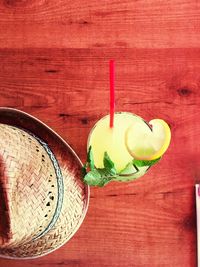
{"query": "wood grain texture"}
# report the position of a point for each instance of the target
(146, 223)
(54, 64)
(87, 24)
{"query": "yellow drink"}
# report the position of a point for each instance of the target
(103, 139)
(122, 146)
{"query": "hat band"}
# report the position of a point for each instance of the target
(60, 185)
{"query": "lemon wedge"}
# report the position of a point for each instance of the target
(148, 141)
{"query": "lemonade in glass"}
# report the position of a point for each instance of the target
(122, 146)
(127, 150)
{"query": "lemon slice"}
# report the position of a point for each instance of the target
(148, 142)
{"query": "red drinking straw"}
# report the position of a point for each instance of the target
(112, 92)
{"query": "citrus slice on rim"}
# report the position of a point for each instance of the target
(148, 141)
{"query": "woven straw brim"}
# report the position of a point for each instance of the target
(76, 193)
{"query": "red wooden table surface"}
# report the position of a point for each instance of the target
(54, 64)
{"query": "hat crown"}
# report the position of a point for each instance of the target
(28, 187)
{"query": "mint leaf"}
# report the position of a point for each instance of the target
(98, 176)
(92, 178)
(107, 162)
(142, 163)
(106, 176)
(90, 159)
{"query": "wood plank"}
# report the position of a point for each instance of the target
(87, 24)
(148, 222)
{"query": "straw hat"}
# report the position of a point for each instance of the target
(43, 200)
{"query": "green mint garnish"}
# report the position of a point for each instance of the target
(90, 159)
(98, 176)
(108, 164)
(101, 176)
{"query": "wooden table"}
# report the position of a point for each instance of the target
(54, 64)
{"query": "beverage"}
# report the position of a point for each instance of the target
(103, 139)
(131, 146)
(122, 146)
